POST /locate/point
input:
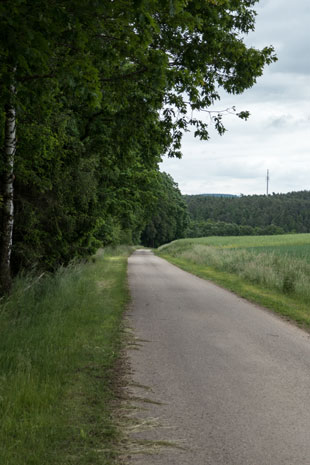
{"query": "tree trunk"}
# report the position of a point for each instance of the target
(8, 199)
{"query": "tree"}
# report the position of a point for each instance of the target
(274, 214)
(120, 79)
(169, 217)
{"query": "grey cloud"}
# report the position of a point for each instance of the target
(277, 135)
(285, 25)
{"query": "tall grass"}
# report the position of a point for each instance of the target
(244, 241)
(284, 273)
(279, 264)
(59, 339)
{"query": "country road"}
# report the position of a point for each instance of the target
(232, 380)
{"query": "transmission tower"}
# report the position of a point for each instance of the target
(267, 179)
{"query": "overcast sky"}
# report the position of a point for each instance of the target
(277, 134)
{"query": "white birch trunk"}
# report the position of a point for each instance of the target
(8, 198)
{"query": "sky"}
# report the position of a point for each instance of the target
(277, 134)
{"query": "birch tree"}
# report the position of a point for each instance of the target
(8, 191)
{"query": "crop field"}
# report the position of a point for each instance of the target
(283, 240)
(271, 270)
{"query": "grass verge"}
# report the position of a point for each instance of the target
(284, 305)
(60, 338)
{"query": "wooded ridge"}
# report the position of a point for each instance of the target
(248, 214)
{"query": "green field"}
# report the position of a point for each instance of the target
(246, 241)
(271, 270)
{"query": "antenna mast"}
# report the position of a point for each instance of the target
(268, 182)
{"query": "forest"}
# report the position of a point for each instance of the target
(93, 95)
(248, 214)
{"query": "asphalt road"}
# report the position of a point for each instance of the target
(232, 380)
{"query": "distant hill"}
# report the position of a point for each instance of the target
(291, 211)
(213, 195)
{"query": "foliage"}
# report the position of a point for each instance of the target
(103, 90)
(220, 228)
(251, 214)
(169, 215)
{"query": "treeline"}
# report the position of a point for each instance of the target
(248, 215)
(221, 228)
(93, 93)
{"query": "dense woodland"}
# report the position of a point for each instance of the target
(247, 215)
(93, 94)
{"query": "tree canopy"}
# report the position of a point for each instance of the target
(98, 92)
(249, 214)
(169, 217)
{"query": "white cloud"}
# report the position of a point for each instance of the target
(277, 135)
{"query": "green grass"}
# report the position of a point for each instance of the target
(245, 241)
(273, 271)
(60, 337)
(300, 251)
